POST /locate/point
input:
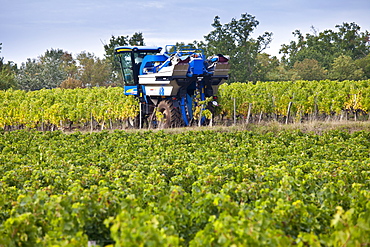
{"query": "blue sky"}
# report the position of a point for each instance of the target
(30, 27)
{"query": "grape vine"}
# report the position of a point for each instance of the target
(309, 99)
(63, 107)
(195, 188)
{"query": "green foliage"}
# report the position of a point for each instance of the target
(280, 73)
(46, 72)
(56, 68)
(200, 108)
(29, 76)
(135, 227)
(7, 74)
(351, 228)
(308, 97)
(344, 68)
(93, 71)
(136, 39)
(196, 188)
(327, 45)
(61, 106)
(234, 39)
(364, 64)
(266, 67)
(53, 72)
(309, 69)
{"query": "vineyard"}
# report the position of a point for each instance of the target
(108, 108)
(57, 108)
(301, 100)
(194, 188)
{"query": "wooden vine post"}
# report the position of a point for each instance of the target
(288, 112)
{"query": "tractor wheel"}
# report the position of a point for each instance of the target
(171, 115)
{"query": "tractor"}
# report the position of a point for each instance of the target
(173, 85)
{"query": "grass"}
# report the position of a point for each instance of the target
(315, 127)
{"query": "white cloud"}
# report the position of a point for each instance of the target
(154, 4)
(29, 28)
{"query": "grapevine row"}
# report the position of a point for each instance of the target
(60, 107)
(103, 106)
(307, 98)
(196, 188)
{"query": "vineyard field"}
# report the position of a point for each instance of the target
(50, 109)
(193, 188)
(109, 108)
(302, 100)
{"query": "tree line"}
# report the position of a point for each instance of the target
(340, 54)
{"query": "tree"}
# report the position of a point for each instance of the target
(281, 73)
(93, 71)
(350, 40)
(53, 68)
(71, 83)
(235, 39)
(364, 64)
(327, 45)
(29, 76)
(136, 39)
(309, 69)
(265, 65)
(7, 74)
(48, 71)
(344, 68)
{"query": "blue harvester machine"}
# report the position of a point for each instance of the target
(171, 82)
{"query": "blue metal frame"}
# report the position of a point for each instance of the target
(183, 111)
(199, 76)
(148, 62)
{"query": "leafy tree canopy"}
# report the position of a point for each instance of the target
(234, 39)
(344, 68)
(364, 64)
(93, 71)
(309, 69)
(48, 71)
(327, 45)
(136, 39)
(7, 74)
(29, 76)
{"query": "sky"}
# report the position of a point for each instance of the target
(30, 27)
